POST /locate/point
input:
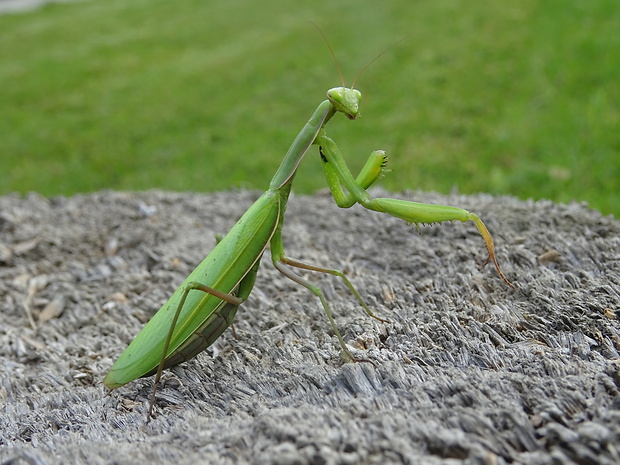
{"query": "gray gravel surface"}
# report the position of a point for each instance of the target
(467, 371)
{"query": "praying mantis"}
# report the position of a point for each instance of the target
(205, 304)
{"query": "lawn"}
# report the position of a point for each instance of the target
(516, 98)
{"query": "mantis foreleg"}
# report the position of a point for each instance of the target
(338, 174)
(371, 172)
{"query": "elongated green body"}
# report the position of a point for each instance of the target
(231, 265)
(244, 244)
(206, 302)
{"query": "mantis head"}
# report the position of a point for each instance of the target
(345, 100)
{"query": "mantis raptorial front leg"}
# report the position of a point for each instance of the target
(337, 174)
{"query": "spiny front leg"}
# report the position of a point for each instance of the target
(372, 171)
(415, 213)
(338, 175)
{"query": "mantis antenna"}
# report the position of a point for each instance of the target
(331, 51)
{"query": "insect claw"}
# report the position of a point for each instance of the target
(351, 358)
(365, 360)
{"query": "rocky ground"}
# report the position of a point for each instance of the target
(468, 370)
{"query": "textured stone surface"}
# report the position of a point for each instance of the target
(468, 370)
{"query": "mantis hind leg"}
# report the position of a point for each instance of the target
(206, 335)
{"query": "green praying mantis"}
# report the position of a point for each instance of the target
(205, 304)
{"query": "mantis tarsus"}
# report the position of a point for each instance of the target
(205, 304)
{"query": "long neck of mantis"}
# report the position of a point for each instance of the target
(301, 144)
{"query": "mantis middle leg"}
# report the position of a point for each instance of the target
(282, 263)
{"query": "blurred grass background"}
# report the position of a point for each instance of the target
(516, 98)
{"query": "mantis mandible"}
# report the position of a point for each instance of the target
(205, 304)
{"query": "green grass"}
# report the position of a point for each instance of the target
(514, 98)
